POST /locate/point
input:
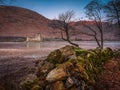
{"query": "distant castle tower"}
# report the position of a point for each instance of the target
(36, 38)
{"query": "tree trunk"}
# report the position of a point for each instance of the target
(101, 36)
(97, 41)
(74, 44)
(119, 23)
(68, 37)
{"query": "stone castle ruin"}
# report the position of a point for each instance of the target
(36, 38)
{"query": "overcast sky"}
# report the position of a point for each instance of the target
(52, 8)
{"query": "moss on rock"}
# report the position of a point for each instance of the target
(36, 87)
(73, 65)
(61, 55)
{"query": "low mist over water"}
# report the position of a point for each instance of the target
(51, 45)
(41, 49)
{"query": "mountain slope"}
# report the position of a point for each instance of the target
(15, 21)
(20, 22)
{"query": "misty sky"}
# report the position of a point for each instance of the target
(52, 8)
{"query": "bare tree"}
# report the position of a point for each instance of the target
(63, 23)
(94, 33)
(94, 13)
(113, 11)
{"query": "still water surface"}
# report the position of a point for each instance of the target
(51, 45)
(17, 55)
(42, 49)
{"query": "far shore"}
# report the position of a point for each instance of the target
(57, 40)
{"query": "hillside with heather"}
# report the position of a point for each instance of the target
(16, 21)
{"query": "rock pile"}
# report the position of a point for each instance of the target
(69, 68)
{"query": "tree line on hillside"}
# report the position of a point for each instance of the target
(97, 12)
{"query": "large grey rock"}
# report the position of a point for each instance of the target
(58, 73)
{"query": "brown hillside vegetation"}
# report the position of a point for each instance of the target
(16, 21)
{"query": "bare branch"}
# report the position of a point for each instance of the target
(93, 12)
(112, 10)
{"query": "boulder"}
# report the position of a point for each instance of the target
(45, 68)
(67, 50)
(61, 55)
(56, 74)
(55, 57)
(59, 85)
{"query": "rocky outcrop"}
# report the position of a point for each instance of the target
(69, 68)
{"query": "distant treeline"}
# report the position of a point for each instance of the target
(12, 39)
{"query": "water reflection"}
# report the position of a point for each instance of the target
(33, 45)
(51, 45)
